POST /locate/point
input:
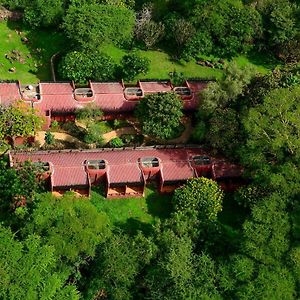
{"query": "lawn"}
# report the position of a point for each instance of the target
(131, 214)
(35, 55)
(42, 44)
(162, 64)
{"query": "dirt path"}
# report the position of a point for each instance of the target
(40, 137)
(117, 133)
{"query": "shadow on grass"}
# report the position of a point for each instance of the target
(266, 60)
(159, 205)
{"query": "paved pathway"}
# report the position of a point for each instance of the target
(117, 133)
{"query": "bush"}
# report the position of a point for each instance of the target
(116, 143)
(88, 113)
(49, 138)
(82, 66)
(132, 65)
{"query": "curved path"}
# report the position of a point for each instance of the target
(117, 133)
(40, 137)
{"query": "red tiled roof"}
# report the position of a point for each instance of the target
(221, 169)
(107, 87)
(125, 173)
(155, 86)
(56, 88)
(109, 96)
(9, 93)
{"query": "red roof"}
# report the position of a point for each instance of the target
(108, 96)
(155, 86)
(9, 93)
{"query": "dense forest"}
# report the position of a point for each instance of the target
(209, 244)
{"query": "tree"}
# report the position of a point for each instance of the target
(23, 183)
(266, 232)
(160, 114)
(72, 226)
(273, 147)
(43, 12)
(82, 66)
(151, 33)
(198, 202)
(18, 119)
(28, 270)
(177, 273)
(117, 264)
(232, 26)
(90, 24)
(132, 65)
(226, 91)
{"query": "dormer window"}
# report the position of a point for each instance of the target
(183, 91)
(83, 93)
(96, 164)
(134, 92)
(201, 160)
(150, 162)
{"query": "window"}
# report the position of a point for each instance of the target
(183, 91)
(96, 164)
(150, 162)
(201, 160)
(137, 92)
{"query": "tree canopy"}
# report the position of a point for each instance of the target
(160, 114)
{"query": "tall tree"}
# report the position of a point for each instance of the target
(160, 114)
(90, 25)
(28, 270)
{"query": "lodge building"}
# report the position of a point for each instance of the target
(59, 100)
(126, 172)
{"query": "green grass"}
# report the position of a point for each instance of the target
(36, 53)
(161, 64)
(131, 214)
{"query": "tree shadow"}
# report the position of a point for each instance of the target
(159, 205)
(264, 59)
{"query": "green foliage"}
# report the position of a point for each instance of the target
(18, 185)
(118, 262)
(160, 114)
(72, 226)
(231, 25)
(43, 12)
(133, 65)
(89, 25)
(199, 132)
(273, 130)
(178, 273)
(82, 66)
(199, 196)
(28, 270)
(49, 138)
(116, 143)
(225, 91)
(95, 131)
(17, 120)
(89, 113)
(266, 233)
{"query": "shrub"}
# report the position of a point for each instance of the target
(82, 66)
(49, 138)
(116, 143)
(132, 65)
